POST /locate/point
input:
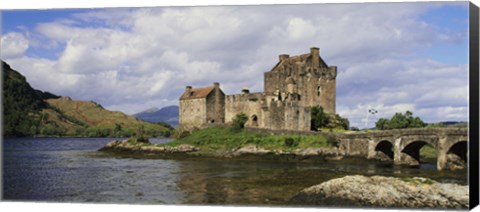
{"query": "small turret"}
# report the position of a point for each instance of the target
(245, 90)
(283, 57)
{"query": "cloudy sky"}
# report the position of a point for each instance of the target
(391, 57)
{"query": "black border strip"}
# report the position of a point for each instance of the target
(474, 106)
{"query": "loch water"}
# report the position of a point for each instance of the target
(72, 170)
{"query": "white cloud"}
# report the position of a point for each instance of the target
(13, 45)
(132, 59)
(299, 29)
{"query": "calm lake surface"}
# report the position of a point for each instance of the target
(72, 170)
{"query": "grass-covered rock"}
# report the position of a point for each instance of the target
(229, 143)
(226, 139)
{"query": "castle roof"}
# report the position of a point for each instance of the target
(197, 93)
(298, 58)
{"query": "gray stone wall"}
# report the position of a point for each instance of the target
(310, 78)
(250, 104)
(193, 113)
(215, 106)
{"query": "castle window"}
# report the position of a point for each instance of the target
(318, 90)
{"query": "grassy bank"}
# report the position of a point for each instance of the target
(226, 139)
(428, 152)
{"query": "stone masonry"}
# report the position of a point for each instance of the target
(292, 87)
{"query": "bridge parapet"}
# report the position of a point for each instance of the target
(403, 145)
(405, 132)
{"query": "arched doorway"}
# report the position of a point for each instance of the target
(254, 122)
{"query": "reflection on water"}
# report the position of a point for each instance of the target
(59, 169)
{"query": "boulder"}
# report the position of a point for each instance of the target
(389, 192)
(313, 151)
(251, 150)
(126, 146)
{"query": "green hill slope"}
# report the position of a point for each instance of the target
(88, 118)
(30, 112)
(21, 104)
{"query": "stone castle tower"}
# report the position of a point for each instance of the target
(292, 87)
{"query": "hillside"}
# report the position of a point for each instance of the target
(167, 114)
(30, 112)
(100, 122)
(21, 103)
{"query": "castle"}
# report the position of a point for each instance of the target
(291, 88)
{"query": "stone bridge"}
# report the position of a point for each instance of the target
(403, 145)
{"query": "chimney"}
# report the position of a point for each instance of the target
(188, 88)
(283, 57)
(216, 85)
(245, 90)
(315, 52)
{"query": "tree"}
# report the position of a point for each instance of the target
(319, 118)
(381, 124)
(343, 122)
(117, 129)
(400, 121)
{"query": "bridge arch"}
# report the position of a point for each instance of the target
(459, 148)
(411, 150)
(457, 155)
(385, 149)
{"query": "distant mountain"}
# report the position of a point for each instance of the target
(167, 114)
(30, 112)
(454, 124)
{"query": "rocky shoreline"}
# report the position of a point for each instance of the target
(387, 192)
(245, 152)
(348, 191)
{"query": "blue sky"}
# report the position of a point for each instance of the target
(391, 56)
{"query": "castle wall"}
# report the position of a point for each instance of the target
(193, 113)
(276, 117)
(297, 117)
(215, 107)
(315, 82)
(250, 104)
(288, 115)
(291, 88)
(328, 90)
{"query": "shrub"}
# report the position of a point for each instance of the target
(166, 125)
(321, 119)
(135, 139)
(142, 139)
(180, 133)
(331, 140)
(290, 142)
(239, 121)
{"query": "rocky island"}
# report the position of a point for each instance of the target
(225, 143)
(388, 192)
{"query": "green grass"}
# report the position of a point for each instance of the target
(428, 151)
(226, 139)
